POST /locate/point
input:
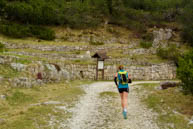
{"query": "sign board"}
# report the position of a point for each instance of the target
(100, 64)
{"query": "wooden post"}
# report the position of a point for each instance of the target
(97, 70)
(103, 73)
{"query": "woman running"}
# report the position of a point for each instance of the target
(123, 87)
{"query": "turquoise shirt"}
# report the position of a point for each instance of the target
(122, 85)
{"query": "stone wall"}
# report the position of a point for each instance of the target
(163, 71)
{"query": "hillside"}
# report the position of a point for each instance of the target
(69, 55)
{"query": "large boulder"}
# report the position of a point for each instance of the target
(160, 36)
(167, 84)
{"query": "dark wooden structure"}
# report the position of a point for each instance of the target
(101, 56)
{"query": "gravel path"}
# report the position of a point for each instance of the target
(96, 112)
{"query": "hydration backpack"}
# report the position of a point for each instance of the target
(123, 77)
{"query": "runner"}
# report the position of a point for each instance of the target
(123, 87)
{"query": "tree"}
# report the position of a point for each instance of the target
(185, 71)
(110, 8)
(187, 19)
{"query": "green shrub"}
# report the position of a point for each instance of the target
(14, 30)
(147, 37)
(96, 43)
(19, 11)
(185, 71)
(42, 33)
(186, 19)
(170, 53)
(2, 47)
(21, 31)
(146, 44)
(91, 42)
(187, 34)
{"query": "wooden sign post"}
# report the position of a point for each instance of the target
(101, 56)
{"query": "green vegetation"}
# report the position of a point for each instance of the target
(136, 15)
(108, 94)
(7, 71)
(185, 72)
(170, 53)
(18, 112)
(95, 42)
(18, 97)
(21, 31)
(145, 44)
(166, 103)
(2, 47)
(187, 19)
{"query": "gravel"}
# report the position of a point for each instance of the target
(96, 112)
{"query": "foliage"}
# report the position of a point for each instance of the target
(147, 37)
(185, 71)
(170, 53)
(42, 33)
(136, 15)
(92, 42)
(2, 47)
(165, 102)
(21, 31)
(187, 19)
(145, 44)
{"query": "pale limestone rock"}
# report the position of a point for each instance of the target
(17, 66)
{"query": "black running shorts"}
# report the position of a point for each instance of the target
(121, 90)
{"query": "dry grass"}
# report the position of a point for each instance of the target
(18, 112)
(166, 103)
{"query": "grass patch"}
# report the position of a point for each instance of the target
(46, 52)
(108, 94)
(18, 97)
(34, 41)
(20, 114)
(146, 44)
(165, 102)
(117, 54)
(7, 72)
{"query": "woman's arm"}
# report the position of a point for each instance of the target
(115, 80)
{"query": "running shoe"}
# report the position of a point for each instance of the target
(125, 114)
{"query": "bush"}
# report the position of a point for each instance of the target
(94, 42)
(145, 44)
(185, 72)
(186, 19)
(42, 33)
(147, 36)
(170, 53)
(21, 31)
(14, 30)
(2, 47)
(187, 34)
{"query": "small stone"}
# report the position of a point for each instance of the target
(191, 121)
(2, 121)
(61, 107)
(18, 66)
(51, 103)
(36, 104)
(2, 96)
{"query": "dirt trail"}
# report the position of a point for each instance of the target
(94, 112)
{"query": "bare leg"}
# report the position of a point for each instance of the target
(125, 96)
(122, 102)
